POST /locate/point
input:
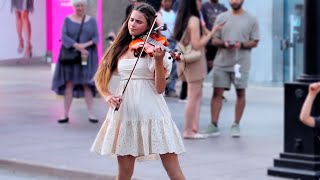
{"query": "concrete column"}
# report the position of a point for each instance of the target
(312, 42)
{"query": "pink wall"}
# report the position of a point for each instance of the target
(99, 19)
(57, 10)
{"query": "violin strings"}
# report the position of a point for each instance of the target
(156, 43)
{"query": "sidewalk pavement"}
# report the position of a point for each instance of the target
(33, 141)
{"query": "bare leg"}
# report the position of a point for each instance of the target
(27, 32)
(240, 104)
(68, 95)
(19, 31)
(216, 104)
(89, 101)
(125, 167)
(171, 164)
(192, 109)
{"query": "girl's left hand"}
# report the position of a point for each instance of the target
(158, 53)
(314, 88)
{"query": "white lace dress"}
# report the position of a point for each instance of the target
(143, 126)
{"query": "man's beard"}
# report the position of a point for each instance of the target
(236, 6)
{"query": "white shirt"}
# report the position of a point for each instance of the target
(168, 18)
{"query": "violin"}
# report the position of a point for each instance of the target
(153, 41)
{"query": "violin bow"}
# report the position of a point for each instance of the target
(140, 54)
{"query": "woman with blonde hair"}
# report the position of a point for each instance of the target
(80, 32)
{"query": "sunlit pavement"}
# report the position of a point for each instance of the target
(31, 136)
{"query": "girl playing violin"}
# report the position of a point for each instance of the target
(142, 126)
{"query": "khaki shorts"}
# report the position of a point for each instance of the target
(223, 79)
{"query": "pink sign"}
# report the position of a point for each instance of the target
(57, 10)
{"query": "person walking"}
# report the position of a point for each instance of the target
(76, 80)
(235, 41)
(138, 125)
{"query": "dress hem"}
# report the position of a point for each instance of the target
(149, 157)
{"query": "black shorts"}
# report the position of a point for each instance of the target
(211, 52)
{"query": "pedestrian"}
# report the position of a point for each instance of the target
(168, 19)
(305, 114)
(22, 10)
(188, 30)
(76, 80)
(210, 10)
(142, 127)
(235, 41)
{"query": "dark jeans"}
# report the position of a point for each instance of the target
(171, 84)
(211, 52)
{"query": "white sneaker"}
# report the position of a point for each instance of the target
(182, 100)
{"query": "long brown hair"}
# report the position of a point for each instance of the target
(119, 46)
(186, 9)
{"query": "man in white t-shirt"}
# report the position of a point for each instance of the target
(169, 18)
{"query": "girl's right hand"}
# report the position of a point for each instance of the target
(113, 101)
(314, 88)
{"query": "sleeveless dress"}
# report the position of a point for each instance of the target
(143, 126)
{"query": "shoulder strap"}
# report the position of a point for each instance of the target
(80, 29)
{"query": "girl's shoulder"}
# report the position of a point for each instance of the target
(194, 20)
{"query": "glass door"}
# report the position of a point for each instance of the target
(292, 44)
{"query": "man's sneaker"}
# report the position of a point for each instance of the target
(235, 130)
(182, 100)
(172, 94)
(212, 130)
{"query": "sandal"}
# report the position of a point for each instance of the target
(28, 52)
(196, 136)
(65, 120)
(93, 120)
(20, 47)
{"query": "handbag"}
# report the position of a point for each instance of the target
(189, 54)
(71, 55)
